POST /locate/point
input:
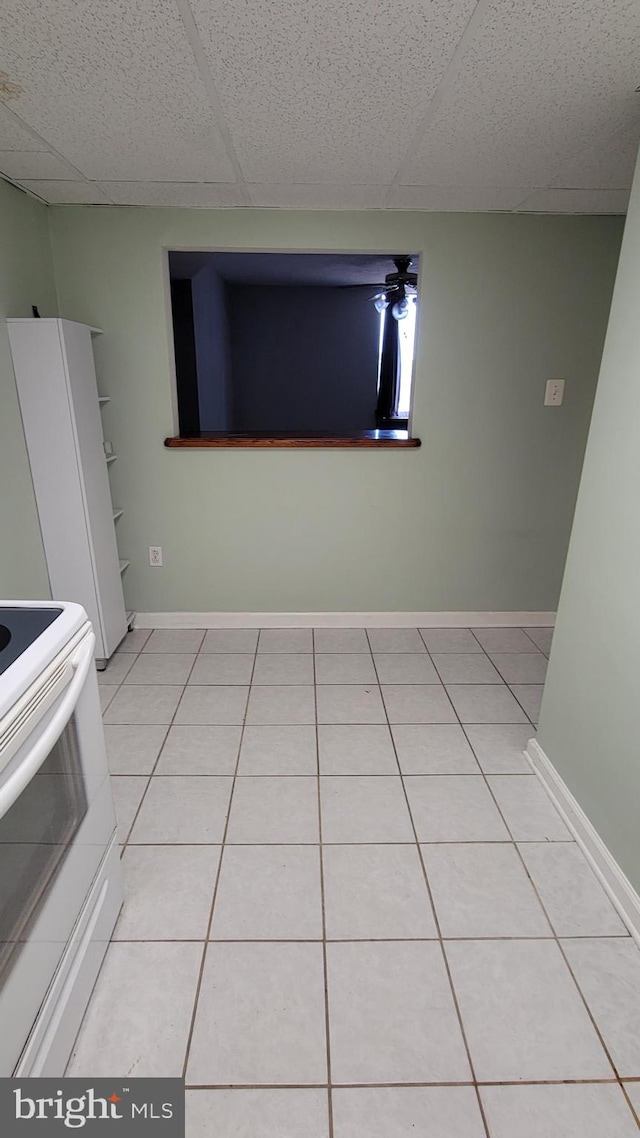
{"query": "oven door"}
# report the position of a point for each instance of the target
(56, 820)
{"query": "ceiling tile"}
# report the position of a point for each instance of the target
(67, 193)
(576, 201)
(453, 198)
(113, 86)
(607, 167)
(21, 164)
(330, 91)
(305, 196)
(194, 194)
(538, 84)
(15, 136)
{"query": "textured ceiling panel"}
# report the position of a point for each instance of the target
(326, 91)
(608, 167)
(305, 196)
(455, 198)
(300, 104)
(576, 201)
(196, 194)
(68, 193)
(15, 136)
(21, 165)
(113, 86)
(541, 82)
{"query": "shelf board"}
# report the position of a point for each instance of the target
(104, 399)
(111, 458)
(123, 565)
(378, 438)
(117, 514)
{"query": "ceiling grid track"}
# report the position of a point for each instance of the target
(195, 43)
(45, 148)
(445, 85)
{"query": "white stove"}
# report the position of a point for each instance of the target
(32, 634)
(60, 878)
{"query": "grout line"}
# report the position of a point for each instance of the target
(359, 723)
(500, 683)
(458, 842)
(464, 727)
(536, 646)
(349, 939)
(529, 719)
(558, 942)
(424, 869)
(635, 1111)
(328, 774)
(157, 760)
(399, 1086)
(439, 932)
(477, 640)
(126, 834)
(322, 902)
(216, 886)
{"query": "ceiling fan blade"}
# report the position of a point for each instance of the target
(365, 284)
(386, 289)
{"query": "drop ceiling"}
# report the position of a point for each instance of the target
(511, 105)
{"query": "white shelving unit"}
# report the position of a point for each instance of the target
(56, 381)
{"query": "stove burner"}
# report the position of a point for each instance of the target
(5, 637)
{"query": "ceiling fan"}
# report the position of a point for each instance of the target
(398, 287)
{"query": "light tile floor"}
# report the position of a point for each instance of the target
(352, 911)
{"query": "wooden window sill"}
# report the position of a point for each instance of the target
(271, 441)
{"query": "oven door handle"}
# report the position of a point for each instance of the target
(22, 775)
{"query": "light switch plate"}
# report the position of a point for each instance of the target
(554, 393)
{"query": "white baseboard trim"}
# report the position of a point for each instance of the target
(345, 619)
(615, 882)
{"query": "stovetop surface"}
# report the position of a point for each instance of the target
(19, 627)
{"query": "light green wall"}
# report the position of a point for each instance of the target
(26, 278)
(478, 519)
(589, 725)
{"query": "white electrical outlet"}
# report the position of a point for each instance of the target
(554, 393)
(155, 555)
